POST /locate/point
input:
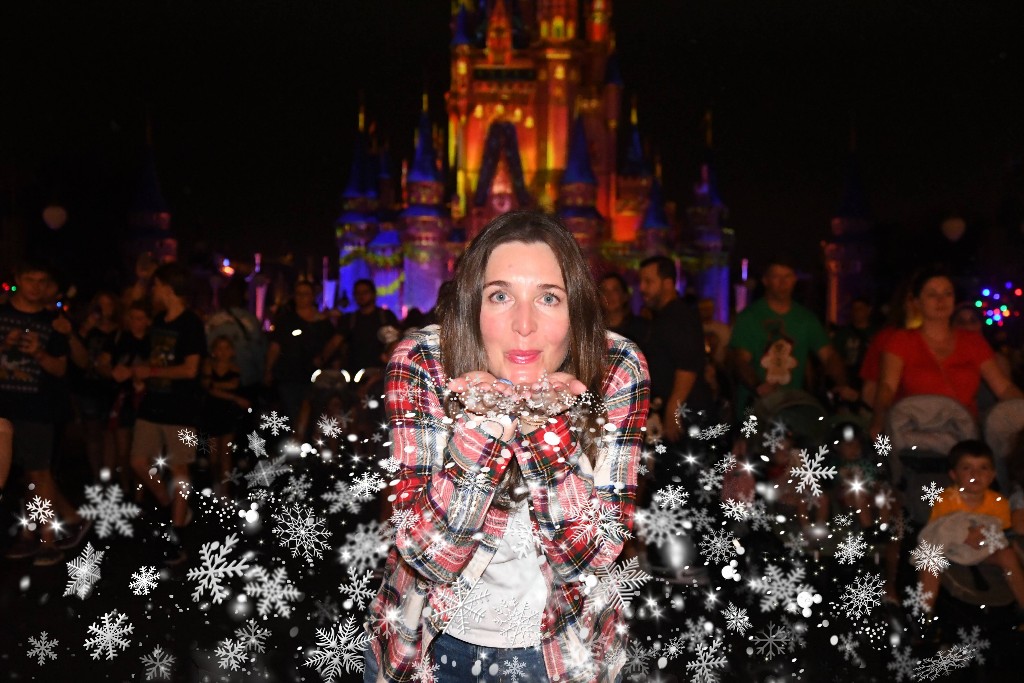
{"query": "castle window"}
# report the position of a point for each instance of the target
(558, 28)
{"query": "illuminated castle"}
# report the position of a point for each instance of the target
(533, 113)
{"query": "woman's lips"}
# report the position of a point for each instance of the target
(522, 357)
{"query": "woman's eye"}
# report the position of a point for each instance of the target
(550, 299)
(499, 297)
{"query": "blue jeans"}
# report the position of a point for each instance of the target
(462, 662)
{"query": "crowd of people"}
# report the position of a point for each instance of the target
(125, 375)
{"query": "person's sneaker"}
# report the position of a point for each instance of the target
(75, 534)
(48, 556)
(22, 548)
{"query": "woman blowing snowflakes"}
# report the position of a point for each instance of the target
(517, 426)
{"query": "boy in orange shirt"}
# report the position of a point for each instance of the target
(972, 469)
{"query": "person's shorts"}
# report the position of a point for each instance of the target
(151, 440)
(33, 444)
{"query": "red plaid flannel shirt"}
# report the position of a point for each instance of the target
(447, 477)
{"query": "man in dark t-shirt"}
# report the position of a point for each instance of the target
(33, 356)
(361, 328)
(168, 414)
(674, 347)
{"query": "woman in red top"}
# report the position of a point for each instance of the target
(936, 358)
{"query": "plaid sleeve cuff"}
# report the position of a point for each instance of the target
(545, 450)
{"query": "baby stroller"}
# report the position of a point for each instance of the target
(801, 413)
(923, 429)
(1001, 426)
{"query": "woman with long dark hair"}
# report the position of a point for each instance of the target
(516, 425)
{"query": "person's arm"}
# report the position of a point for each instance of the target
(449, 501)
(331, 347)
(888, 382)
(682, 384)
(569, 493)
(79, 354)
(187, 369)
(998, 382)
(835, 371)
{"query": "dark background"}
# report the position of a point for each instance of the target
(253, 108)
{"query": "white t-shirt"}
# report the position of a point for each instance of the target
(515, 589)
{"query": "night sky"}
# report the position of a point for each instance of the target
(253, 108)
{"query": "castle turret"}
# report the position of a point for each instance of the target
(149, 217)
(633, 185)
(426, 226)
(578, 196)
(712, 240)
(357, 225)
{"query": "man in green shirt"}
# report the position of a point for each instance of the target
(773, 338)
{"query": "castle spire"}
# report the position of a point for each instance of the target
(499, 34)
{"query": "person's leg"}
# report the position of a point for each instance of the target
(1007, 560)
(929, 588)
(6, 452)
(147, 446)
(179, 456)
(458, 661)
(122, 459)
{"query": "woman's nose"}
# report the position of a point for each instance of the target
(523, 321)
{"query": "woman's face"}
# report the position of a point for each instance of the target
(524, 315)
(304, 296)
(936, 299)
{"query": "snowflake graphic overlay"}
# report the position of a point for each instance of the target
(39, 510)
(144, 580)
(274, 422)
(771, 641)
(811, 471)
(274, 591)
(358, 590)
(617, 585)
(158, 664)
(84, 572)
(215, 568)
(929, 557)
(301, 532)
(736, 619)
(709, 660)
(863, 595)
(109, 510)
(339, 649)
(109, 635)
(518, 623)
(42, 648)
(932, 494)
(461, 603)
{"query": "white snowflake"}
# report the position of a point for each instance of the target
(617, 585)
(252, 636)
(231, 654)
(215, 568)
(363, 548)
(994, 538)
(974, 642)
(811, 471)
(521, 537)
(718, 546)
(902, 664)
(882, 445)
(749, 427)
(852, 549)
(956, 657)
(709, 480)
(158, 664)
(407, 519)
(367, 484)
(773, 440)
(713, 432)
(932, 494)
(735, 509)
(771, 641)
(657, 526)
(84, 572)
(144, 580)
(518, 623)
(257, 445)
(513, 669)
(109, 635)
(389, 464)
(358, 589)
(301, 531)
(328, 426)
(461, 603)
(267, 471)
(274, 422)
(843, 519)
(863, 595)
(109, 510)
(928, 557)
(727, 463)
(424, 670)
(917, 599)
(671, 496)
(42, 648)
(188, 437)
(709, 660)
(848, 646)
(736, 619)
(297, 489)
(636, 660)
(343, 497)
(40, 510)
(339, 649)
(274, 591)
(778, 589)
(593, 519)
